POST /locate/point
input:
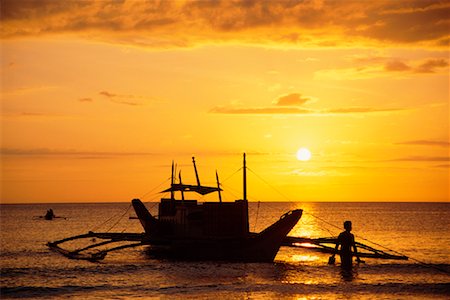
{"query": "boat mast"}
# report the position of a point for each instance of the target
(196, 173)
(172, 193)
(245, 179)
(218, 187)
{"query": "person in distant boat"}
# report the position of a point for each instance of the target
(49, 215)
(347, 241)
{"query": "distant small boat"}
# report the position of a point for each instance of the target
(50, 215)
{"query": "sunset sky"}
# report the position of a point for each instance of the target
(98, 98)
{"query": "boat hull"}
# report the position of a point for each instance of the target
(254, 247)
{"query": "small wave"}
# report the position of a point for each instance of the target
(235, 288)
(405, 289)
(43, 291)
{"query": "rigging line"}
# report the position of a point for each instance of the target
(119, 218)
(230, 190)
(113, 216)
(156, 187)
(231, 175)
(412, 258)
(326, 222)
(289, 200)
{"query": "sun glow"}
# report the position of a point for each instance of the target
(303, 154)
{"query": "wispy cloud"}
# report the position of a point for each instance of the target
(27, 115)
(260, 110)
(423, 158)
(121, 99)
(85, 100)
(442, 166)
(301, 111)
(426, 143)
(24, 90)
(292, 104)
(396, 66)
(317, 173)
(291, 100)
(186, 23)
(431, 66)
(69, 152)
(378, 66)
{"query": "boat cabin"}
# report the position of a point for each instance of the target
(188, 218)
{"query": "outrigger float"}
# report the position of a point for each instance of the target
(187, 229)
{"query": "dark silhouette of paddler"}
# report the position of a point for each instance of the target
(347, 241)
(49, 215)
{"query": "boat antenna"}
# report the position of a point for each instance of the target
(218, 187)
(196, 173)
(172, 193)
(245, 179)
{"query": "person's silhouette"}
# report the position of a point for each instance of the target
(347, 241)
(49, 215)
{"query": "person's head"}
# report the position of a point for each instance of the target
(348, 225)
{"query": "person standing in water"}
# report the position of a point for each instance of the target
(347, 241)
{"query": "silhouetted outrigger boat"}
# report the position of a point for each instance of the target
(50, 215)
(186, 229)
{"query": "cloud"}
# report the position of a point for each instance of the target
(290, 105)
(291, 100)
(24, 90)
(379, 66)
(359, 109)
(85, 100)
(189, 23)
(70, 152)
(423, 158)
(33, 115)
(431, 65)
(260, 110)
(107, 94)
(121, 99)
(426, 143)
(396, 65)
(442, 166)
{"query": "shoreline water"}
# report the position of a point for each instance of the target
(30, 270)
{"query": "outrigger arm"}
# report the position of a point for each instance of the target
(327, 245)
(109, 238)
(324, 245)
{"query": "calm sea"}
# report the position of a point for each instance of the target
(419, 230)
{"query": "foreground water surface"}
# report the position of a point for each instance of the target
(419, 230)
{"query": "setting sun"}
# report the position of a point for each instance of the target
(303, 154)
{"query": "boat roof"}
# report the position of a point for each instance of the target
(202, 190)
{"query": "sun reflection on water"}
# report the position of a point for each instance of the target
(304, 258)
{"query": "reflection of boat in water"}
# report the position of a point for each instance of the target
(188, 229)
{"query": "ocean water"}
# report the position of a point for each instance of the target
(419, 230)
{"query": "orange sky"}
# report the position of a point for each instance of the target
(98, 97)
